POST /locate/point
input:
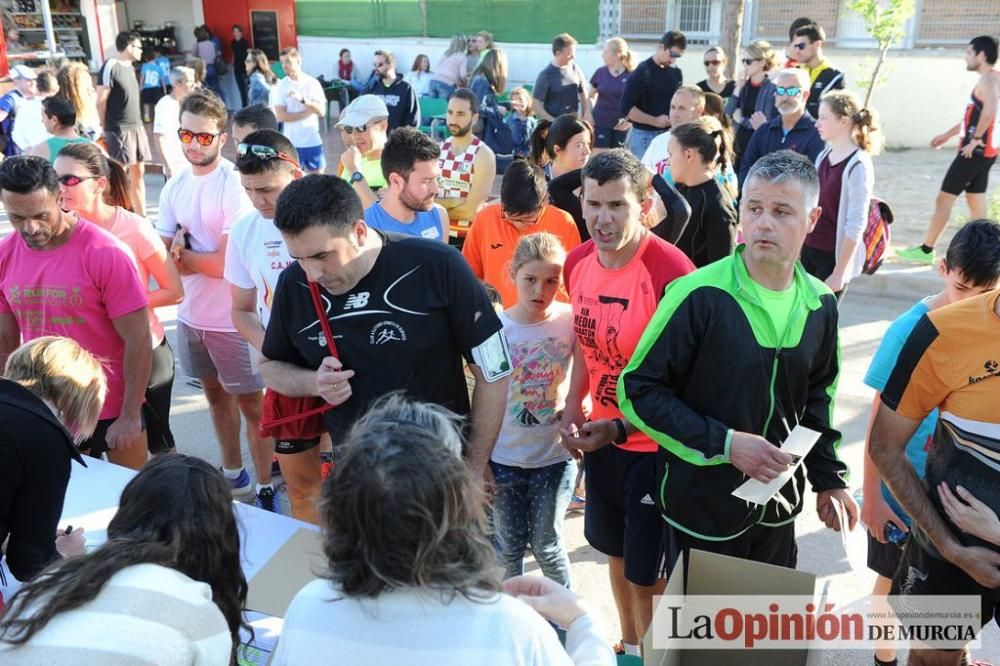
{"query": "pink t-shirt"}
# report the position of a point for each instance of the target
(138, 234)
(74, 291)
(611, 308)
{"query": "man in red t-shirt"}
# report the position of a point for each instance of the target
(615, 281)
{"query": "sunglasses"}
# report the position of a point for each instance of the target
(354, 130)
(713, 62)
(263, 153)
(801, 46)
(203, 138)
(787, 92)
(69, 180)
(750, 61)
(675, 55)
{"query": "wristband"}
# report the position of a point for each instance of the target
(622, 435)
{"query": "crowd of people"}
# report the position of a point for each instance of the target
(472, 364)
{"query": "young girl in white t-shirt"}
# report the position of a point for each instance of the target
(534, 473)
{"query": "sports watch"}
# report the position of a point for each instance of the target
(622, 435)
(357, 177)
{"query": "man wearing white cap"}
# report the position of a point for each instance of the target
(24, 89)
(364, 126)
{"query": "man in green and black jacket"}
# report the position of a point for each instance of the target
(736, 355)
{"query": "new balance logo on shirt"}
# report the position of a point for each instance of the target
(357, 301)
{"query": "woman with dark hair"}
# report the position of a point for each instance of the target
(96, 189)
(562, 147)
(206, 49)
(50, 399)
(411, 573)
(169, 574)
(347, 71)
(261, 77)
(487, 81)
(698, 150)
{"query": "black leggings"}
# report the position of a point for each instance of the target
(820, 264)
(158, 397)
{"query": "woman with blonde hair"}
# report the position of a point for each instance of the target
(834, 251)
(451, 70)
(50, 400)
(77, 85)
(411, 572)
(607, 85)
(752, 103)
(521, 120)
(715, 70)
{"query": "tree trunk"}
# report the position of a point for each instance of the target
(732, 28)
(882, 54)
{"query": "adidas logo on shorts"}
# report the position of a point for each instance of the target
(646, 500)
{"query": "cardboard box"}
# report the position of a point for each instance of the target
(712, 574)
(296, 564)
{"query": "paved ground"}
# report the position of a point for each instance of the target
(909, 180)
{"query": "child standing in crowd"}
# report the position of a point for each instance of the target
(534, 473)
(153, 85)
(521, 120)
(698, 150)
(834, 251)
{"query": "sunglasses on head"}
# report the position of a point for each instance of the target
(791, 91)
(203, 138)
(750, 61)
(713, 62)
(69, 180)
(263, 153)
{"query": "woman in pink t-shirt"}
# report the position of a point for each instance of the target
(96, 189)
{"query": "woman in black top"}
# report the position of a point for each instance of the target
(698, 150)
(752, 103)
(716, 81)
(562, 147)
(50, 400)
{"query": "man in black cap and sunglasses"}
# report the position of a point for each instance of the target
(255, 256)
(197, 209)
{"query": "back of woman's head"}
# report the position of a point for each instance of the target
(176, 512)
(865, 128)
(762, 50)
(99, 165)
(401, 510)
(715, 107)
(459, 44)
(77, 86)
(65, 374)
(706, 136)
(494, 67)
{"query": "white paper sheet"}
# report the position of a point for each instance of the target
(799, 443)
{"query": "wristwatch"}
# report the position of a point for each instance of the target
(622, 435)
(357, 177)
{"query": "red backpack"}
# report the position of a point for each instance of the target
(876, 236)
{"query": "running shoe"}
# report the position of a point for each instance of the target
(577, 504)
(916, 255)
(267, 500)
(241, 485)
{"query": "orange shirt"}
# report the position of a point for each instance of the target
(491, 242)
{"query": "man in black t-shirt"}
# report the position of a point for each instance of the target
(120, 110)
(403, 311)
(560, 87)
(649, 89)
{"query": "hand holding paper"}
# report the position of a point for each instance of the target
(793, 451)
(756, 457)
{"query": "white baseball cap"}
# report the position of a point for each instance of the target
(23, 72)
(359, 112)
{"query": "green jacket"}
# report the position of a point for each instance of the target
(710, 363)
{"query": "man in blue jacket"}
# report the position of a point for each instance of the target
(793, 129)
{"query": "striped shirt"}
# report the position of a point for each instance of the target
(145, 614)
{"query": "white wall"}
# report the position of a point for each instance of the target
(925, 93)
